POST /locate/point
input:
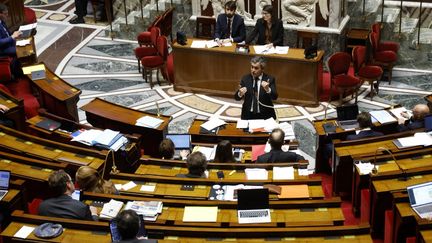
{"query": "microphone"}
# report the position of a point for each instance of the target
(158, 110)
(404, 176)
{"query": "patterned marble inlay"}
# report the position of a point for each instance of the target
(200, 104)
(319, 108)
(39, 14)
(42, 2)
(134, 99)
(305, 134)
(79, 65)
(108, 85)
(233, 111)
(172, 92)
(166, 109)
(407, 100)
(103, 48)
(287, 112)
(57, 17)
(182, 123)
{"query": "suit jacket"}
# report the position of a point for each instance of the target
(65, 207)
(364, 134)
(238, 29)
(265, 112)
(276, 29)
(7, 43)
(278, 156)
(410, 125)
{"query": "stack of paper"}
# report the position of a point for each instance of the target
(212, 124)
(107, 138)
(397, 112)
(288, 130)
(419, 139)
(365, 168)
(150, 210)
(256, 174)
(199, 44)
(283, 173)
(270, 124)
(200, 214)
(149, 121)
(257, 125)
(265, 49)
(382, 116)
(111, 209)
(209, 152)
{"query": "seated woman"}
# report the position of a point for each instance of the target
(167, 150)
(269, 29)
(197, 166)
(88, 179)
(224, 152)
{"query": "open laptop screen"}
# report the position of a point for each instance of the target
(181, 141)
(347, 112)
(420, 194)
(4, 179)
(253, 199)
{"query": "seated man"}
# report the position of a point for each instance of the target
(276, 154)
(62, 205)
(416, 121)
(196, 164)
(128, 225)
(365, 122)
(230, 26)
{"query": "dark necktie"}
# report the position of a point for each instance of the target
(228, 34)
(255, 99)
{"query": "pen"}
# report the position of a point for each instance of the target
(231, 173)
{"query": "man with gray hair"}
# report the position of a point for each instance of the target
(258, 90)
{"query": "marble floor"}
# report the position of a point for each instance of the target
(86, 57)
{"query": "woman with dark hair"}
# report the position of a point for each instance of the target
(224, 152)
(269, 29)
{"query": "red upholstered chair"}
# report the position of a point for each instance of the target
(384, 45)
(385, 59)
(166, 25)
(150, 50)
(170, 68)
(144, 38)
(29, 15)
(5, 71)
(364, 72)
(339, 65)
(158, 62)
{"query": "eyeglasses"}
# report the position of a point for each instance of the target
(265, 13)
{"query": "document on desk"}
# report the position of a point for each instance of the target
(397, 112)
(283, 173)
(255, 124)
(419, 139)
(209, 152)
(256, 174)
(383, 116)
(199, 44)
(294, 191)
(24, 232)
(288, 130)
(200, 214)
(149, 121)
(212, 124)
(281, 49)
(29, 69)
(241, 124)
(22, 42)
(270, 124)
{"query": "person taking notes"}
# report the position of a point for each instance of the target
(230, 26)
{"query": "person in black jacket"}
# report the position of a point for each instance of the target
(269, 29)
(276, 154)
(365, 122)
(128, 226)
(230, 26)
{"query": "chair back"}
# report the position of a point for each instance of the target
(5, 70)
(162, 47)
(166, 25)
(156, 22)
(376, 28)
(306, 39)
(339, 63)
(373, 38)
(154, 34)
(359, 57)
(205, 27)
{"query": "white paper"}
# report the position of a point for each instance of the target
(383, 116)
(242, 124)
(264, 49)
(88, 136)
(397, 112)
(256, 174)
(149, 121)
(111, 209)
(283, 173)
(209, 152)
(128, 186)
(118, 186)
(229, 191)
(148, 188)
(22, 42)
(304, 172)
(365, 168)
(212, 124)
(281, 49)
(106, 137)
(270, 124)
(288, 130)
(24, 232)
(211, 44)
(255, 124)
(198, 44)
(425, 138)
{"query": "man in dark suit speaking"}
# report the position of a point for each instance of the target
(230, 26)
(276, 154)
(258, 90)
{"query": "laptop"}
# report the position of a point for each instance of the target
(347, 116)
(4, 183)
(420, 197)
(181, 142)
(253, 206)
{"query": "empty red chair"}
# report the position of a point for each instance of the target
(385, 59)
(339, 65)
(384, 45)
(149, 50)
(5, 70)
(368, 73)
(144, 38)
(158, 62)
(166, 25)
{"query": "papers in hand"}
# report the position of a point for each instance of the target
(256, 174)
(111, 209)
(27, 29)
(212, 124)
(382, 116)
(149, 121)
(200, 214)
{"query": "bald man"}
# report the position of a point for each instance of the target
(416, 121)
(276, 140)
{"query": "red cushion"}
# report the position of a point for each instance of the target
(388, 226)
(33, 206)
(144, 38)
(343, 80)
(370, 72)
(388, 46)
(152, 61)
(141, 52)
(30, 15)
(20, 87)
(411, 239)
(386, 56)
(31, 105)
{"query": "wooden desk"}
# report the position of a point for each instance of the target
(356, 37)
(58, 96)
(27, 54)
(103, 114)
(16, 109)
(13, 200)
(381, 198)
(221, 69)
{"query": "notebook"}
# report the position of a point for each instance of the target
(420, 197)
(38, 74)
(347, 116)
(4, 183)
(253, 206)
(181, 142)
(48, 124)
